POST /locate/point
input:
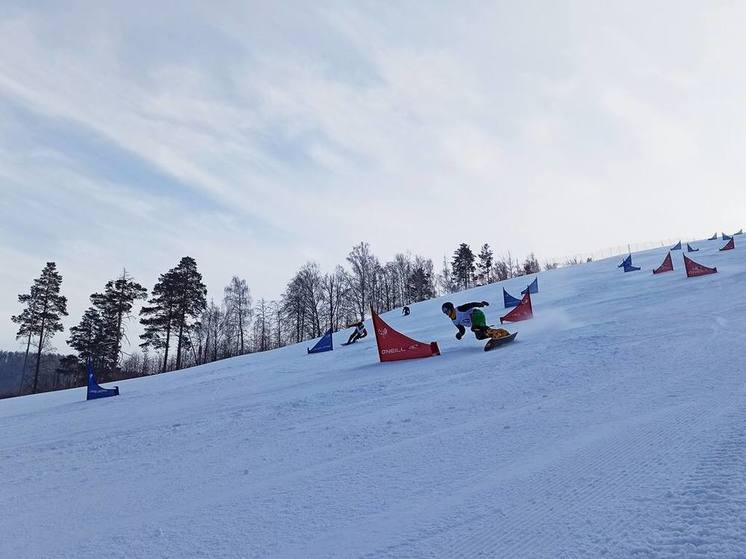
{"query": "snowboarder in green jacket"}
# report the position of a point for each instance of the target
(470, 315)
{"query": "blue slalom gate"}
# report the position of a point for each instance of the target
(94, 390)
(532, 288)
(326, 343)
(510, 301)
(627, 265)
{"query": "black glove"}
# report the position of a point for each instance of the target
(485, 304)
(459, 335)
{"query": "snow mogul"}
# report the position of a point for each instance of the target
(470, 315)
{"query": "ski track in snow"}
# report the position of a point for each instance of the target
(706, 515)
(615, 426)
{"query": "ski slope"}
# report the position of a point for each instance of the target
(615, 426)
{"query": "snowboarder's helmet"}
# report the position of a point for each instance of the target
(447, 308)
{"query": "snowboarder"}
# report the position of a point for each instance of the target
(470, 315)
(405, 311)
(358, 333)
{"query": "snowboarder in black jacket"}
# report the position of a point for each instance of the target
(358, 333)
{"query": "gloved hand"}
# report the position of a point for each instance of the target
(485, 304)
(459, 335)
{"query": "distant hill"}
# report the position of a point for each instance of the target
(11, 366)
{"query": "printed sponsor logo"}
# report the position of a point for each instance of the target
(391, 350)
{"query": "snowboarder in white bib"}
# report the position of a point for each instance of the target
(470, 315)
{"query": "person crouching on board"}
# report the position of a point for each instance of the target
(470, 315)
(359, 332)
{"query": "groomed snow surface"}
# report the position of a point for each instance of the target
(615, 426)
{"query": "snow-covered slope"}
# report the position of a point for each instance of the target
(615, 426)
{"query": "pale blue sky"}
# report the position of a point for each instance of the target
(256, 136)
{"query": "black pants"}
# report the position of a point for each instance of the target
(355, 336)
(480, 332)
(484, 332)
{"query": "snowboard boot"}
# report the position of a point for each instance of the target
(497, 333)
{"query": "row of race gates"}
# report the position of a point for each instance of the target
(395, 346)
(692, 268)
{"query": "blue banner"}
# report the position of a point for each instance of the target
(627, 265)
(509, 301)
(532, 288)
(94, 390)
(324, 344)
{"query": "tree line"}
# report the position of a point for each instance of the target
(181, 328)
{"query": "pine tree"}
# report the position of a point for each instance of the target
(420, 284)
(70, 371)
(90, 339)
(463, 265)
(42, 317)
(115, 305)
(101, 330)
(157, 318)
(177, 298)
(486, 258)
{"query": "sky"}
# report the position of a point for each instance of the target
(257, 136)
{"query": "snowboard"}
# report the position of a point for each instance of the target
(497, 342)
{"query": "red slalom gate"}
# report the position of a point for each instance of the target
(395, 346)
(694, 269)
(666, 266)
(523, 311)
